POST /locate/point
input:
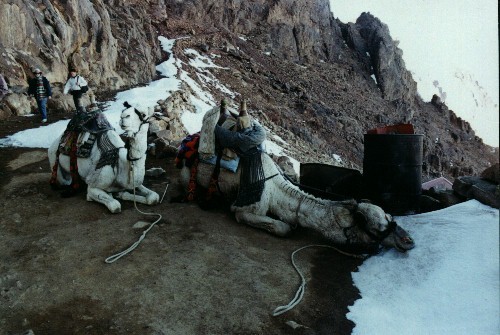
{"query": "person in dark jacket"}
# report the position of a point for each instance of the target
(39, 87)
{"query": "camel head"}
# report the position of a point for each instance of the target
(133, 118)
(379, 227)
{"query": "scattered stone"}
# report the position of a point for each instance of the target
(155, 172)
(299, 329)
(141, 224)
(27, 332)
(286, 165)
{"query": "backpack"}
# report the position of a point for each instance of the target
(83, 89)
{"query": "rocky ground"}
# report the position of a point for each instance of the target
(196, 272)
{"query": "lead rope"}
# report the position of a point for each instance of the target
(300, 292)
(115, 257)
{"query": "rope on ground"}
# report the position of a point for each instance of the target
(115, 257)
(300, 292)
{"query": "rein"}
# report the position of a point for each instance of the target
(127, 143)
(297, 211)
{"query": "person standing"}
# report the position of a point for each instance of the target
(76, 85)
(39, 87)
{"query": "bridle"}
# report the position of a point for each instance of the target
(379, 236)
(127, 142)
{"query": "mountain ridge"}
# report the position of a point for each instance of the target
(316, 84)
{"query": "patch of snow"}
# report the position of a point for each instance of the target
(448, 284)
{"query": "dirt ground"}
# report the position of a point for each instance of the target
(196, 272)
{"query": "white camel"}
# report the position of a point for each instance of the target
(283, 205)
(120, 178)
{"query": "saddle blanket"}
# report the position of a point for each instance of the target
(230, 165)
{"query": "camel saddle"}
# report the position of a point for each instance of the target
(84, 128)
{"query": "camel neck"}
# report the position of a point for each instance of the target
(137, 144)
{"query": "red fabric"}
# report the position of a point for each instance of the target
(191, 195)
(73, 163)
(188, 151)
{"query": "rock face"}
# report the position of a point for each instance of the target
(110, 42)
(395, 82)
(291, 29)
(308, 75)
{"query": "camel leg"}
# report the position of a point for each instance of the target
(273, 226)
(143, 195)
(98, 195)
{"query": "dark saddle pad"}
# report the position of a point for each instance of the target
(93, 123)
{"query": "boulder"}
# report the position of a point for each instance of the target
(19, 104)
(479, 189)
(5, 111)
(429, 204)
(492, 174)
(286, 165)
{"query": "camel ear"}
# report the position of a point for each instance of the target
(151, 111)
(140, 114)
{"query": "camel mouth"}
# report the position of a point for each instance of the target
(126, 131)
(402, 240)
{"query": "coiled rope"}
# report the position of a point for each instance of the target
(115, 257)
(300, 292)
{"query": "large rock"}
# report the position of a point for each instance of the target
(292, 29)
(19, 104)
(112, 43)
(492, 174)
(394, 80)
(479, 189)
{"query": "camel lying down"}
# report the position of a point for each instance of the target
(120, 177)
(347, 223)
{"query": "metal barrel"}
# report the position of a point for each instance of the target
(392, 171)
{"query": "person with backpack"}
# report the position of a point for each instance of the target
(39, 87)
(76, 85)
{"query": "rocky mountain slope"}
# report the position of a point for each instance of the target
(318, 83)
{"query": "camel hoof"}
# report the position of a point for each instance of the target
(281, 230)
(153, 199)
(115, 210)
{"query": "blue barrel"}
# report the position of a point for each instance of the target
(392, 171)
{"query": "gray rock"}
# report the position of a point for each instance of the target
(155, 172)
(479, 189)
(429, 204)
(19, 104)
(487, 194)
(393, 79)
(492, 174)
